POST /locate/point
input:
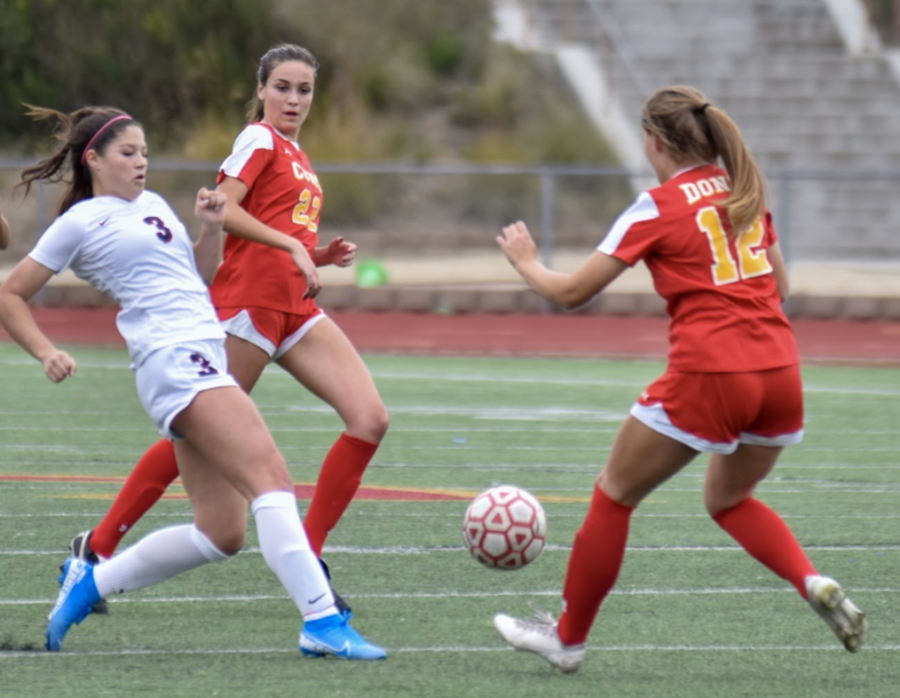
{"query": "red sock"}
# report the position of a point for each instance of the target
(338, 481)
(152, 474)
(765, 535)
(594, 565)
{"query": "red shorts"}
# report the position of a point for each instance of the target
(273, 331)
(717, 411)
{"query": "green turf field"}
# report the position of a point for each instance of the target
(692, 615)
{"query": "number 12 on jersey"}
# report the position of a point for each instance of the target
(751, 262)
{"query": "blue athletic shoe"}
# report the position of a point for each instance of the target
(333, 636)
(76, 598)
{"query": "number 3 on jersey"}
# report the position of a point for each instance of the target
(751, 262)
(162, 232)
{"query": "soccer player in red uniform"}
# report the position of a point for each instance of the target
(264, 294)
(732, 387)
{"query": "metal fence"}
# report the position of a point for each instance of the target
(441, 210)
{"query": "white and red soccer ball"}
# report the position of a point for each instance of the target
(505, 528)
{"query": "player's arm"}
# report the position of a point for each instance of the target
(26, 279)
(779, 270)
(4, 232)
(567, 290)
(210, 209)
(241, 224)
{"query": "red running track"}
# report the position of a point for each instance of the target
(825, 341)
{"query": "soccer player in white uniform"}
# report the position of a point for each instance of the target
(129, 243)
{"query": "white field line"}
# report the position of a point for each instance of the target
(552, 593)
(185, 515)
(412, 550)
(460, 431)
(439, 649)
(766, 488)
(491, 378)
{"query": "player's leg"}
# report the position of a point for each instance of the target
(216, 534)
(327, 364)
(728, 492)
(152, 474)
(228, 432)
(641, 459)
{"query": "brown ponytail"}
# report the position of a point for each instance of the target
(695, 131)
(74, 132)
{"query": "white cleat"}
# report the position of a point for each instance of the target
(540, 636)
(829, 600)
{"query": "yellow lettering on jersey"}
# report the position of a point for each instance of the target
(302, 174)
(724, 269)
(306, 212)
(694, 191)
(752, 260)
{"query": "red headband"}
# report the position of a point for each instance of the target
(99, 131)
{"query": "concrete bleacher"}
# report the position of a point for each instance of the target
(805, 104)
(781, 68)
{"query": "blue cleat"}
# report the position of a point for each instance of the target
(76, 598)
(333, 636)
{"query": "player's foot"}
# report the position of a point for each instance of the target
(843, 617)
(76, 597)
(539, 636)
(81, 548)
(333, 636)
(340, 603)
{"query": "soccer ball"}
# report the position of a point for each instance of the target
(505, 528)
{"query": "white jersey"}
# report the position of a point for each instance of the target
(139, 253)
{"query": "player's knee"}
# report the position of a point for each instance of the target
(370, 425)
(219, 542)
(380, 421)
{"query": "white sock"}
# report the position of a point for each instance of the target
(156, 558)
(286, 550)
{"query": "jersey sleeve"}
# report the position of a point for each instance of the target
(60, 243)
(252, 153)
(633, 234)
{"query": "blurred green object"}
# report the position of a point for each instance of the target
(370, 274)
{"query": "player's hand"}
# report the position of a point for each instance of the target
(59, 365)
(210, 206)
(517, 244)
(308, 269)
(340, 252)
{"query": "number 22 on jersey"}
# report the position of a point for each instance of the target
(751, 261)
(303, 215)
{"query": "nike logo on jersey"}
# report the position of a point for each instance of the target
(104, 221)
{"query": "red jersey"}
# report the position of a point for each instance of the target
(284, 193)
(722, 299)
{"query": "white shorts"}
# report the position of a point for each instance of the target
(170, 378)
(242, 326)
